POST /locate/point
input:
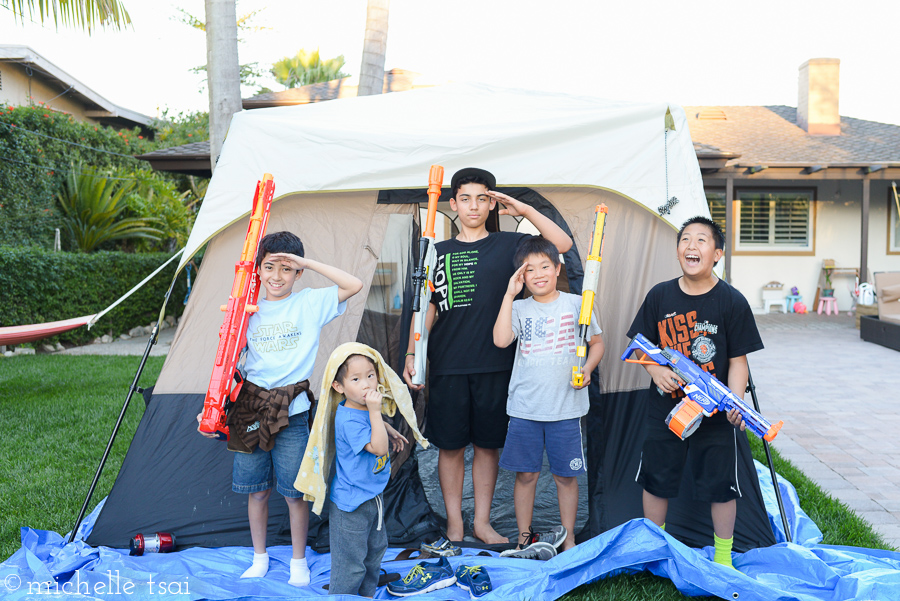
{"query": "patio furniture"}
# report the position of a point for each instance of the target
(884, 329)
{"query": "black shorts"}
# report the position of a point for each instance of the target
(711, 452)
(465, 409)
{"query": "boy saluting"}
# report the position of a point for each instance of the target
(469, 376)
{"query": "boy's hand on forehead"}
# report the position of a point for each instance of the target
(517, 281)
(298, 263)
(511, 206)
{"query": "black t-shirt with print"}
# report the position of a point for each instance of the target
(470, 279)
(708, 328)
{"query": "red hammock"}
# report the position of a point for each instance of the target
(19, 334)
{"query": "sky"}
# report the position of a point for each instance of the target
(690, 52)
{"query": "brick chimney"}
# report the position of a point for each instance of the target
(817, 101)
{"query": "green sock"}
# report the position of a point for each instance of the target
(723, 550)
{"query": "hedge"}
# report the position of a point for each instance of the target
(41, 286)
(34, 156)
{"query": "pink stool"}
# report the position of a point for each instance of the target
(829, 304)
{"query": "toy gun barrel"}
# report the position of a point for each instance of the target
(241, 303)
(589, 290)
(423, 274)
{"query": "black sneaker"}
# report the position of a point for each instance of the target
(540, 550)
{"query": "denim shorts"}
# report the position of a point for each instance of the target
(526, 440)
(259, 470)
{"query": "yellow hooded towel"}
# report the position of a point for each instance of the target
(320, 448)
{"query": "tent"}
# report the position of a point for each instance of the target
(349, 177)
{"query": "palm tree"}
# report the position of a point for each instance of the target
(371, 73)
(93, 205)
(85, 14)
(223, 70)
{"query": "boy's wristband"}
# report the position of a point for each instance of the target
(411, 353)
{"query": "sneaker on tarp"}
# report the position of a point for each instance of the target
(441, 547)
(424, 577)
(474, 579)
(555, 536)
(539, 550)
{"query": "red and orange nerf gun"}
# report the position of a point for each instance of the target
(423, 275)
(589, 291)
(704, 393)
(241, 304)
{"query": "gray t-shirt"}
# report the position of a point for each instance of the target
(540, 388)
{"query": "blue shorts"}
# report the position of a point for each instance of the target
(259, 470)
(526, 440)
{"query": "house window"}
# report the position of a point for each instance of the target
(774, 221)
(716, 201)
(894, 222)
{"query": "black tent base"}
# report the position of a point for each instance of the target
(174, 480)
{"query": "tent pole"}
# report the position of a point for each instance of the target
(784, 521)
(112, 437)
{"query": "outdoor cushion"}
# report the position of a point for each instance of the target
(890, 293)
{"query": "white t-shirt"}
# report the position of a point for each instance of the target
(283, 339)
(547, 334)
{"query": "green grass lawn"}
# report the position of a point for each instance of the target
(58, 412)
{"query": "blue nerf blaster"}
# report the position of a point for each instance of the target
(704, 394)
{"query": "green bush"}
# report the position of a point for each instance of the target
(42, 286)
(37, 146)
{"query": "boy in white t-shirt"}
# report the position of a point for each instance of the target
(269, 425)
(544, 406)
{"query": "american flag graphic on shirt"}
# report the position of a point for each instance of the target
(540, 335)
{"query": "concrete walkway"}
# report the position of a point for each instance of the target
(838, 398)
(837, 395)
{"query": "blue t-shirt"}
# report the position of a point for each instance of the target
(359, 475)
(283, 338)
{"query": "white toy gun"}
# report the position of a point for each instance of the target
(589, 291)
(423, 275)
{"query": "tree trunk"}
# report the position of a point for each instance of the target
(371, 73)
(223, 72)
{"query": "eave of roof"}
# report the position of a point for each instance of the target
(106, 110)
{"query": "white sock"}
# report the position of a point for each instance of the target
(299, 572)
(259, 567)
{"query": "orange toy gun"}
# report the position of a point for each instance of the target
(423, 274)
(241, 303)
(704, 393)
(589, 291)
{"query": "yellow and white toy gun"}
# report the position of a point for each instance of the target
(423, 275)
(589, 291)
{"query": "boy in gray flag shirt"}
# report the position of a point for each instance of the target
(544, 407)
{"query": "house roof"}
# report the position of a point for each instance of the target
(769, 135)
(97, 106)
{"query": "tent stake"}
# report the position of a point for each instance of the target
(112, 437)
(787, 531)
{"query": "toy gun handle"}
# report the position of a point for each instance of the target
(423, 274)
(589, 290)
(241, 303)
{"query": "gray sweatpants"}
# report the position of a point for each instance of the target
(358, 541)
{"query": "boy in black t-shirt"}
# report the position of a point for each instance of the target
(710, 322)
(468, 375)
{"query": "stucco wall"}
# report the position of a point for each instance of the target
(837, 236)
(15, 91)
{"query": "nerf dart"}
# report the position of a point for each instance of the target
(704, 394)
(423, 275)
(241, 304)
(589, 291)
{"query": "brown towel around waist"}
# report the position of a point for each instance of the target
(259, 414)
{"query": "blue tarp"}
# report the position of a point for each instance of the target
(805, 570)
